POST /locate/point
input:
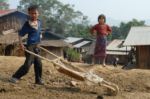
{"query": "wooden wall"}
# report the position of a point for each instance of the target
(123, 59)
(56, 50)
(143, 57)
(12, 21)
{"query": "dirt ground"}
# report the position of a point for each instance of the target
(133, 84)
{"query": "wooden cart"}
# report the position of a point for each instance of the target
(76, 72)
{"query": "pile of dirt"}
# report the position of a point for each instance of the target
(133, 84)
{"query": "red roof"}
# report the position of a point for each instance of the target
(3, 12)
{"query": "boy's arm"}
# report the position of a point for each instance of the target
(22, 33)
(20, 43)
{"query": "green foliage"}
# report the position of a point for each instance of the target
(80, 30)
(122, 31)
(73, 55)
(109, 37)
(63, 19)
(58, 17)
(4, 4)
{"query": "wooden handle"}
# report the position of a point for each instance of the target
(64, 61)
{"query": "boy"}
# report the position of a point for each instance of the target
(32, 27)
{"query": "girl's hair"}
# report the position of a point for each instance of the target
(102, 16)
(33, 7)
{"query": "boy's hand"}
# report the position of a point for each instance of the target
(22, 47)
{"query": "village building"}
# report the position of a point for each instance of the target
(138, 37)
(115, 49)
(54, 43)
(10, 23)
(81, 45)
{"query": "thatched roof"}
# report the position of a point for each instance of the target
(55, 43)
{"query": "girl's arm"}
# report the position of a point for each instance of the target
(93, 30)
(109, 30)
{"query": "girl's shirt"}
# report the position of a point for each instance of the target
(101, 29)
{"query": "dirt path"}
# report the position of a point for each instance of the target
(133, 84)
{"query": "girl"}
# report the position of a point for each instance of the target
(101, 31)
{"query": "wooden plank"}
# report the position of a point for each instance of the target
(71, 73)
(8, 31)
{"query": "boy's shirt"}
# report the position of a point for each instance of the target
(33, 33)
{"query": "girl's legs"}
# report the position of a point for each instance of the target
(103, 61)
(93, 60)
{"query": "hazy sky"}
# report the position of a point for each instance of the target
(116, 9)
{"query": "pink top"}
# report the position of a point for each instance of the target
(103, 29)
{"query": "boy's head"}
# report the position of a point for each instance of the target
(33, 12)
(101, 18)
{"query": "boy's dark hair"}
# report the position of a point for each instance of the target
(102, 16)
(33, 7)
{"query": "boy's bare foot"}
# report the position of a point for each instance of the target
(13, 80)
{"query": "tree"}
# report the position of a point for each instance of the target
(122, 31)
(4, 5)
(115, 32)
(58, 17)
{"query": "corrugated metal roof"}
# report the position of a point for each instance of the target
(117, 45)
(81, 44)
(138, 36)
(116, 53)
(72, 39)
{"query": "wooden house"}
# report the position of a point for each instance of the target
(79, 44)
(54, 43)
(139, 37)
(116, 49)
(11, 19)
(10, 23)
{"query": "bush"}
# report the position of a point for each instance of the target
(73, 55)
